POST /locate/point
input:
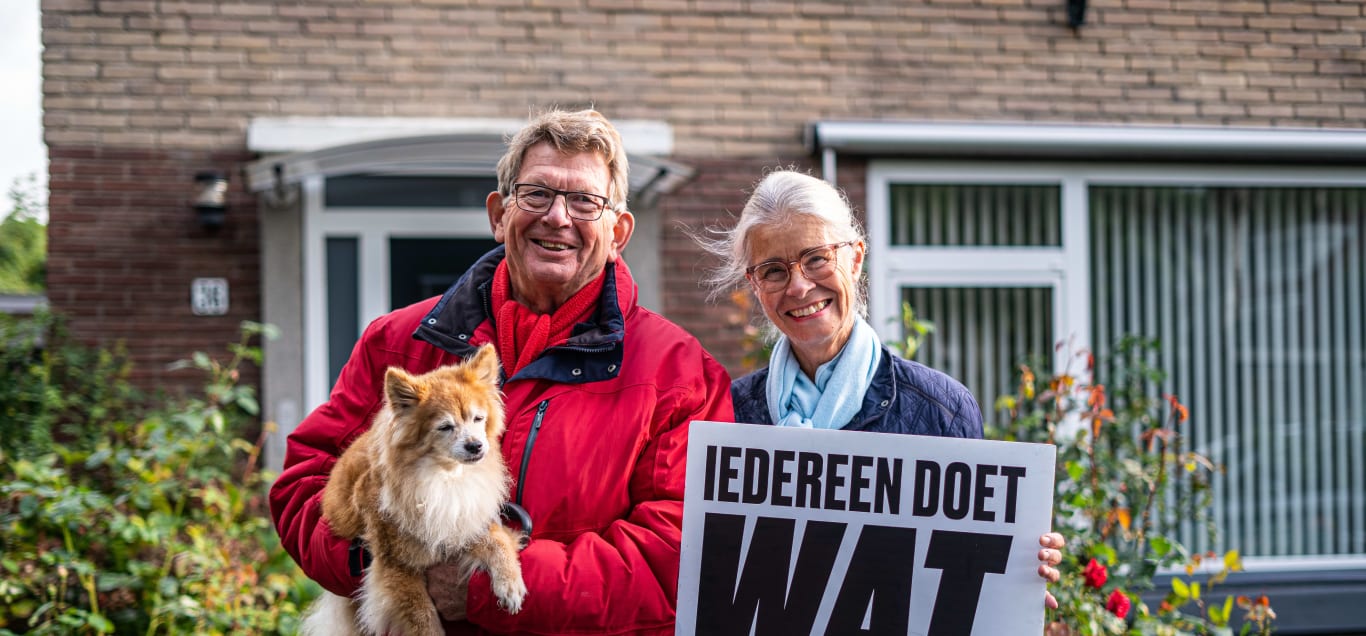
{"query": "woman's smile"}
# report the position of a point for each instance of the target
(803, 312)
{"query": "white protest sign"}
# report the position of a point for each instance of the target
(799, 531)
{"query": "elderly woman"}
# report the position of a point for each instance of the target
(800, 249)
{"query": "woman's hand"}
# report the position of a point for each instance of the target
(1049, 556)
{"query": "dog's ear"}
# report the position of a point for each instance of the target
(402, 390)
(484, 363)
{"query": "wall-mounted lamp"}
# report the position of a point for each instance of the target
(1076, 13)
(211, 198)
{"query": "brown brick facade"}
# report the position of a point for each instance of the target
(140, 94)
(733, 78)
(124, 246)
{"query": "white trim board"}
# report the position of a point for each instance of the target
(302, 134)
(1120, 143)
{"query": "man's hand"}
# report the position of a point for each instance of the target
(1049, 556)
(448, 584)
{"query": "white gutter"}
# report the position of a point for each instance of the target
(1054, 141)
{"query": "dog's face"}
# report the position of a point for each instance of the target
(450, 415)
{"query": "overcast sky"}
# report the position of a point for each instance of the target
(21, 108)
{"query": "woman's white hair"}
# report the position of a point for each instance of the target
(778, 197)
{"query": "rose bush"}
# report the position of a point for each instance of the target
(1124, 478)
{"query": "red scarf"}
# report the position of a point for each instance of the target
(522, 333)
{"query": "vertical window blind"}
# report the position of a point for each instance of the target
(982, 334)
(940, 214)
(1255, 295)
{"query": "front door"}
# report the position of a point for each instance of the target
(374, 243)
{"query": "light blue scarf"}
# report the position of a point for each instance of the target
(836, 396)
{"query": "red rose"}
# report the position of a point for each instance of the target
(1118, 604)
(1095, 574)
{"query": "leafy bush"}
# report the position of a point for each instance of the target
(52, 389)
(1124, 478)
(139, 525)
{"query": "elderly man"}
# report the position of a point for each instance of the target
(599, 392)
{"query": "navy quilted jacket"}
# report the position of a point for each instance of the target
(906, 397)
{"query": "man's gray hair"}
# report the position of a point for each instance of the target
(570, 132)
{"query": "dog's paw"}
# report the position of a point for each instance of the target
(510, 593)
(523, 540)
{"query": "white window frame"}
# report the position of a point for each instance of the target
(372, 227)
(1065, 268)
(1061, 268)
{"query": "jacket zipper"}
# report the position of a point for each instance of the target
(587, 349)
(530, 441)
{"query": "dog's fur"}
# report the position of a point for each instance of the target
(424, 484)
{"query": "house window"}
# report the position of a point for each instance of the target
(952, 214)
(343, 300)
(1250, 279)
(1255, 294)
(982, 327)
(982, 333)
(407, 191)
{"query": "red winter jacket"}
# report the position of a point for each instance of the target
(596, 442)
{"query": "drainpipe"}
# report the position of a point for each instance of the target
(828, 166)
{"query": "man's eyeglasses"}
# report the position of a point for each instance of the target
(537, 199)
(816, 263)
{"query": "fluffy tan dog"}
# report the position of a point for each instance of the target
(424, 484)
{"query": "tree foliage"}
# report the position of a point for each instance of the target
(23, 241)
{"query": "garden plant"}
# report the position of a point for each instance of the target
(1125, 477)
(123, 518)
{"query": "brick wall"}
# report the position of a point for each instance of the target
(124, 246)
(734, 77)
(737, 79)
(713, 198)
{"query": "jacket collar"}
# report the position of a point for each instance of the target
(594, 351)
(881, 393)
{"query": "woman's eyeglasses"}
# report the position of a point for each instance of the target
(816, 263)
(537, 199)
